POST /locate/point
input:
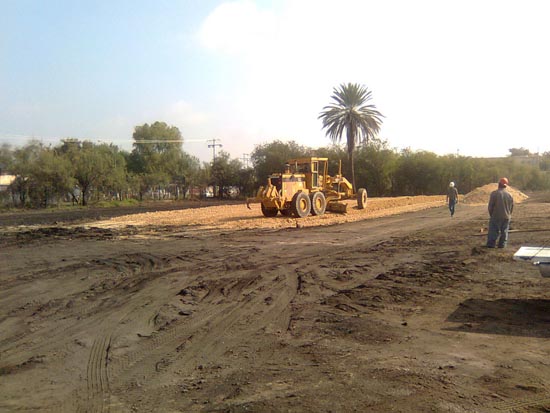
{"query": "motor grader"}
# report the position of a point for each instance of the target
(305, 187)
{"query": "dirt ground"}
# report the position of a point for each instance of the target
(398, 308)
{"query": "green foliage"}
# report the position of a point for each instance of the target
(116, 203)
(225, 172)
(158, 159)
(419, 173)
(157, 138)
(376, 164)
(103, 174)
(154, 146)
(94, 167)
(246, 181)
(544, 163)
(49, 178)
(519, 152)
(24, 161)
(272, 157)
(336, 155)
(6, 158)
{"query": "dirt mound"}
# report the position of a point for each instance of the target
(481, 195)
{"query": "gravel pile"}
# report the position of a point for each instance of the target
(481, 195)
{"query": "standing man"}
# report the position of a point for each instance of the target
(452, 197)
(501, 205)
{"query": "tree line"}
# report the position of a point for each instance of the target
(385, 171)
(80, 172)
(157, 167)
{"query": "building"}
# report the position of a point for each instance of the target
(5, 181)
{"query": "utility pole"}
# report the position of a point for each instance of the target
(245, 160)
(213, 146)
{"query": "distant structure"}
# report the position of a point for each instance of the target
(213, 145)
(524, 157)
(5, 181)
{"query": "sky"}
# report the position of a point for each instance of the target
(469, 77)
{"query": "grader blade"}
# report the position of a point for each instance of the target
(257, 199)
(338, 207)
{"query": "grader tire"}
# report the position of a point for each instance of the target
(362, 198)
(285, 212)
(301, 205)
(318, 203)
(269, 212)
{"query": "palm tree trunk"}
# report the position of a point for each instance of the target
(352, 170)
(351, 129)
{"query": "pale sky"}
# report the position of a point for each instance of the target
(468, 77)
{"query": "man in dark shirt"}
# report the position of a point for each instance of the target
(452, 197)
(500, 208)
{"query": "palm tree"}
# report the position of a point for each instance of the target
(351, 112)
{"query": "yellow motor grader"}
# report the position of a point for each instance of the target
(305, 186)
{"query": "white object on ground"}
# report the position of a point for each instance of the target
(539, 256)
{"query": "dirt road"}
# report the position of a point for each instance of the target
(399, 313)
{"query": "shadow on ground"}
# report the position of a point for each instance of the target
(512, 317)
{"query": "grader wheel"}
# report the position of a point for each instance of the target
(269, 212)
(362, 198)
(318, 203)
(301, 205)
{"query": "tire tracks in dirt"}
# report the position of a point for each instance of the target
(231, 308)
(93, 300)
(224, 316)
(106, 371)
(100, 313)
(541, 402)
(241, 303)
(97, 399)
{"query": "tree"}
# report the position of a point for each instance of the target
(544, 164)
(350, 112)
(246, 181)
(519, 152)
(24, 160)
(50, 178)
(93, 166)
(418, 173)
(151, 143)
(156, 149)
(272, 157)
(6, 158)
(156, 138)
(376, 165)
(225, 172)
(336, 155)
(181, 168)
(204, 176)
(115, 182)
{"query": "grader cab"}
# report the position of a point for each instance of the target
(305, 187)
